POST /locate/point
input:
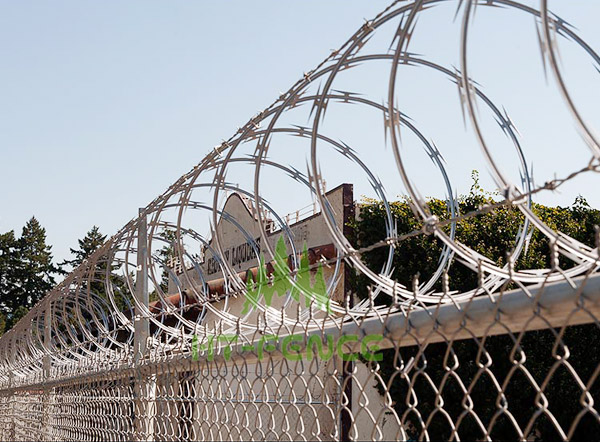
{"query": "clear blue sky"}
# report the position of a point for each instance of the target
(104, 104)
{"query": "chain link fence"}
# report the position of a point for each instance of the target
(457, 371)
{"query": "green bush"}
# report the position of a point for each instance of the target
(493, 236)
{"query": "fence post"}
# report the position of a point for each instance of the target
(46, 433)
(145, 383)
(347, 366)
(141, 322)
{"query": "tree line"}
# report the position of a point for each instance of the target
(28, 270)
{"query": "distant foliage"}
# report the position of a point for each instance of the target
(87, 245)
(9, 269)
(165, 255)
(91, 242)
(492, 235)
(26, 270)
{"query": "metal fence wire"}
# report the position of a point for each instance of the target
(211, 316)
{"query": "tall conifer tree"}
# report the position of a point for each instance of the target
(35, 273)
(88, 245)
(9, 265)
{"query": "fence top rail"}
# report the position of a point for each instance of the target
(552, 305)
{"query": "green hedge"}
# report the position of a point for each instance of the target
(492, 235)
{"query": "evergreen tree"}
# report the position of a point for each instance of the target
(35, 270)
(88, 245)
(91, 242)
(2, 323)
(165, 255)
(9, 264)
(18, 313)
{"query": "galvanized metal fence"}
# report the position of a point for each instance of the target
(213, 318)
(440, 376)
